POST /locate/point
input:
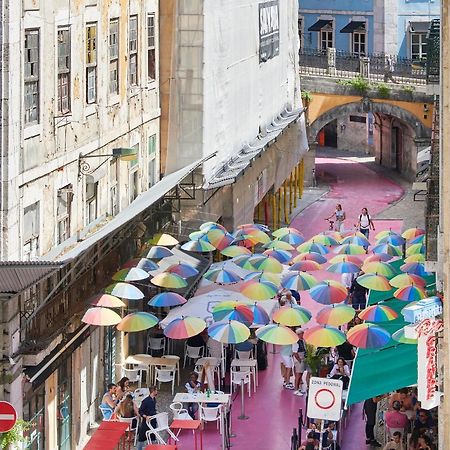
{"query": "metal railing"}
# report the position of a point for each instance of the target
(374, 67)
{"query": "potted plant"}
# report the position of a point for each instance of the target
(13, 438)
(315, 359)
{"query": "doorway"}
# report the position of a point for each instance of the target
(330, 134)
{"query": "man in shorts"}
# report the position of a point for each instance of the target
(286, 365)
(300, 366)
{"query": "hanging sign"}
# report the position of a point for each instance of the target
(269, 30)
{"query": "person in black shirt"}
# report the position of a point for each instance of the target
(358, 294)
(370, 411)
(147, 409)
(346, 351)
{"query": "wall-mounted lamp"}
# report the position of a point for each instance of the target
(124, 153)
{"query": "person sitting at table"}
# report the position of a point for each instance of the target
(423, 421)
(341, 371)
(123, 387)
(127, 409)
(146, 410)
(405, 399)
(395, 418)
(109, 401)
(193, 386)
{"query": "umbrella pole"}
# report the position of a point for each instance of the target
(321, 434)
(242, 416)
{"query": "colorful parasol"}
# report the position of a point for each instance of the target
(101, 316)
(157, 252)
(417, 240)
(377, 257)
(298, 281)
(381, 268)
(325, 239)
(245, 261)
(343, 267)
(221, 276)
(109, 301)
(411, 233)
(229, 332)
(166, 240)
(378, 313)
(417, 258)
(367, 335)
(311, 246)
(328, 292)
(274, 278)
(132, 274)
(324, 336)
(310, 256)
(124, 290)
(260, 316)
(416, 249)
(182, 269)
(207, 226)
(410, 293)
(291, 316)
(407, 279)
(388, 249)
(354, 259)
(167, 299)
(254, 226)
(276, 334)
(283, 256)
(305, 266)
(286, 230)
(291, 238)
(219, 238)
(350, 249)
(234, 250)
(374, 281)
(200, 246)
(250, 237)
(259, 290)
(267, 264)
(335, 315)
(169, 281)
(230, 310)
(196, 235)
(399, 336)
(385, 233)
(356, 240)
(137, 321)
(393, 239)
(184, 327)
(279, 245)
(414, 268)
(141, 263)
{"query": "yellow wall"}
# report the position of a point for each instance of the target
(321, 103)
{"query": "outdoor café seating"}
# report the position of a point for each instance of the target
(162, 424)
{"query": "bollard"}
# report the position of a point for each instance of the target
(242, 416)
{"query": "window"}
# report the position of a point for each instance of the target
(133, 167)
(418, 46)
(63, 209)
(91, 202)
(151, 55)
(326, 37)
(114, 188)
(359, 43)
(133, 50)
(63, 70)
(152, 160)
(31, 231)
(114, 56)
(34, 413)
(31, 77)
(300, 31)
(359, 119)
(91, 63)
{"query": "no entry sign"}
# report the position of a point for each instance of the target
(324, 399)
(8, 416)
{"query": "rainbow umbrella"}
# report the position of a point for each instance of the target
(415, 249)
(279, 245)
(311, 246)
(245, 261)
(207, 226)
(182, 269)
(250, 237)
(374, 281)
(229, 332)
(167, 299)
(350, 249)
(324, 336)
(267, 264)
(219, 238)
(393, 239)
(230, 310)
(298, 281)
(356, 240)
(385, 233)
(221, 276)
(259, 290)
(101, 316)
(417, 258)
(184, 327)
(411, 233)
(354, 259)
(367, 335)
(377, 257)
(276, 334)
(166, 240)
(124, 290)
(417, 240)
(200, 246)
(344, 267)
(286, 230)
(283, 256)
(399, 336)
(325, 239)
(291, 316)
(407, 279)
(388, 249)
(381, 268)
(109, 301)
(310, 256)
(141, 263)
(169, 281)
(234, 250)
(414, 268)
(410, 293)
(378, 313)
(132, 274)
(291, 238)
(335, 315)
(305, 266)
(137, 321)
(274, 278)
(260, 316)
(352, 233)
(196, 235)
(254, 226)
(158, 252)
(328, 292)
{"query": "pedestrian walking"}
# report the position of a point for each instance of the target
(365, 223)
(389, 69)
(370, 413)
(339, 217)
(147, 410)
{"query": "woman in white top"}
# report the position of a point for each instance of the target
(365, 223)
(339, 216)
(341, 371)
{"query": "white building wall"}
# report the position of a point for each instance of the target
(43, 158)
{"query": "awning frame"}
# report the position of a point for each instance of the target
(354, 26)
(319, 24)
(419, 27)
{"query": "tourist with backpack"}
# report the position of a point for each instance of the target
(365, 223)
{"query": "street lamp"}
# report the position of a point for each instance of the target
(124, 153)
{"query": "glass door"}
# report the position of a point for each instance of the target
(64, 405)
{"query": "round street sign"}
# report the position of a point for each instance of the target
(8, 416)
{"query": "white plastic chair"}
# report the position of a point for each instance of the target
(211, 414)
(240, 375)
(247, 354)
(192, 353)
(156, 344)
(162, 424)
(165, 376)
(177, 359)
(131, 429)
(198, 368)
(139, 395)
(179, 412)
(134, 375)
(107, 413)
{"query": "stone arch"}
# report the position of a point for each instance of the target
(365, 106)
